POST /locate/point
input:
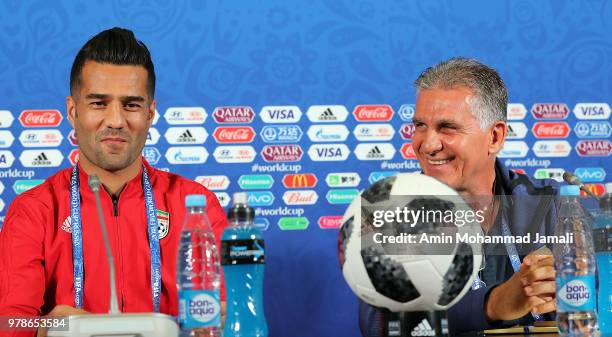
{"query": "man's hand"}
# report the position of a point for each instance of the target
(60, 311)
(530, 289)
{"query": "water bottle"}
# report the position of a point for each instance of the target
(242, 257)
(602, 239)
(575, 267)
(198, 274)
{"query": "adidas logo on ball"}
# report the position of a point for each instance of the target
(423, 329)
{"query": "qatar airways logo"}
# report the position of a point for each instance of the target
(550, 111)
(233, 115)
(40, 118)
(407, 131)
(234, 134)
(594, 148)
(282, 153)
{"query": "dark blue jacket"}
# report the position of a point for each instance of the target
(529, 206)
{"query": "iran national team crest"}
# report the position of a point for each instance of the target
(163, 223)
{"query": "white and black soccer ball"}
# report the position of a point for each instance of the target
(406, 277)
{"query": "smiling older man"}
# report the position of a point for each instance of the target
(460, 127)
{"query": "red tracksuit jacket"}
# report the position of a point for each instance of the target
(36, 269)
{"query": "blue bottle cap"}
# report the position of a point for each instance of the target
(570, 190)
(195, 200)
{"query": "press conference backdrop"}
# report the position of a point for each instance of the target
(302, 104)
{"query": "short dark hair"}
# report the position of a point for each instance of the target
(113, 46)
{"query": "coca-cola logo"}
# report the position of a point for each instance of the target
(594, 148)
(73, 156)
(280, 153)
(550, 111)
(551, 130)
(371, 113)
(233, 114)
(234, 134)
(407, 151)
(40, 118)
(407, 130)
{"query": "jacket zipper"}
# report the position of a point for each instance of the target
(115, 206)
(115, 200)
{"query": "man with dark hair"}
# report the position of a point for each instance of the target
(460, 127)
(52, 254)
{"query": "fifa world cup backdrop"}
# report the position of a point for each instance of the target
(302, 104)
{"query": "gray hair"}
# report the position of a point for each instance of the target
(490, 94)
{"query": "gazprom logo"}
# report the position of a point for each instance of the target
(378, 175)
(260, 198)
(406, 112)
(590, 174)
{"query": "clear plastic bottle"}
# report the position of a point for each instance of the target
(575, 267)
(242, 256)
(602, 238)
(198, 273)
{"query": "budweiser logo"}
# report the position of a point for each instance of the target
(275, 153)
(306, 197)
(370, 113)
(596, 148)
(40, 118)
(550, 111)
(233, 114)
(213, 182)
(551, 130)
(234, 134)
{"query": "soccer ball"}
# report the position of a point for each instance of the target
(410, 276)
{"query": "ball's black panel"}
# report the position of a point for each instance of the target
(379, 191)
(343, 238)
(458, 274)
(388, 276)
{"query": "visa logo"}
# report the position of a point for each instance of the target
(592, 111)
(328, 152)
(281, 114)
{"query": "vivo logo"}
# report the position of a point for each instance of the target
(328, 133)
(378, 175)
(280, 114)
(328, 152)
(260, 198)
(590, 174)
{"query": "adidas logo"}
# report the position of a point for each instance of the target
(186, 137)
(41, 160)
(375, 153)
(328, 115)
(423, 329)
(67, 225)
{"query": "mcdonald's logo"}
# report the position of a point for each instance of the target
(301, 180)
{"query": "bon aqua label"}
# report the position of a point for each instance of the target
(575, 293)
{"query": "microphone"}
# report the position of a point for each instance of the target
(94, 184)
(571, 179)
(114, 323)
